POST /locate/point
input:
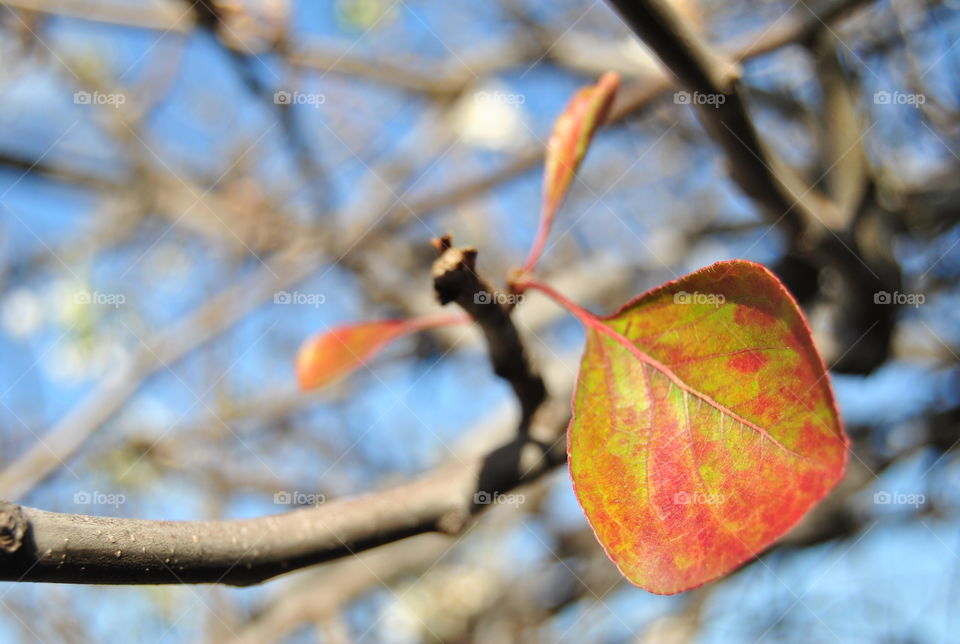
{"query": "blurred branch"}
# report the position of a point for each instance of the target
(159, 16)
(703, 71)
(814, 224)
(299, 603)
(66, 548)
(800, 28)
(158, 352)
(445, 81)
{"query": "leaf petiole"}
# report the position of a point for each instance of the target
(595, 322)
(584, 316)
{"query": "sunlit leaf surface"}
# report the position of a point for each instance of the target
(704, 426)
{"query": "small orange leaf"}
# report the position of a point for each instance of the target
(568, 144)
(328, 356)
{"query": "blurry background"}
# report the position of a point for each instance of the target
(188, 191)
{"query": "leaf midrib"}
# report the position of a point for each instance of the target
(598, 325)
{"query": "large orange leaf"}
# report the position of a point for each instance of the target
(328, 356)
(704, 426)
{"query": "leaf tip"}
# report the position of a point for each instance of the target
(309, 373)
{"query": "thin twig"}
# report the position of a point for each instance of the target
(455, 279)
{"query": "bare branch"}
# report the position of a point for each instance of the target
(70, 548)
(455, 279)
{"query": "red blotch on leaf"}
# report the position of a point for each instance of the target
(747, 362)
(750, 316)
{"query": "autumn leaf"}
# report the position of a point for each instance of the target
(328, 356)
(704, 426)
(572, 133)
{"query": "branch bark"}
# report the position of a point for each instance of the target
(455, 279)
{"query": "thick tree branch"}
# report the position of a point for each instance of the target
(70, 548)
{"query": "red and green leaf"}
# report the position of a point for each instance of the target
(328, 356)
(572, 133)
(704, 426)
